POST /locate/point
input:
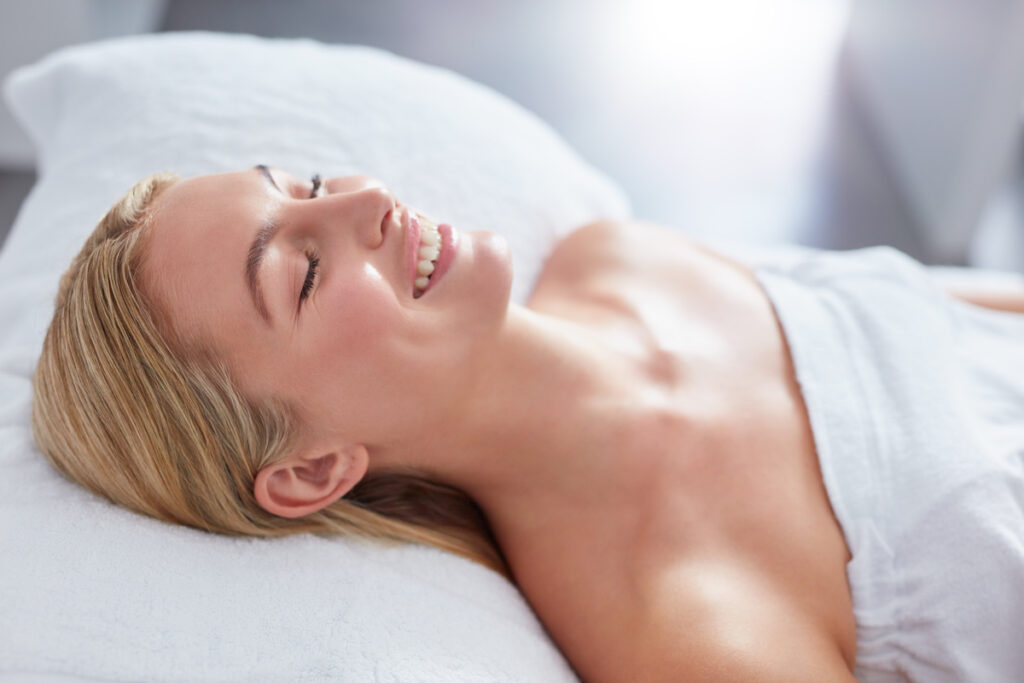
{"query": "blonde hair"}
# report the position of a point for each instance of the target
(124, 410)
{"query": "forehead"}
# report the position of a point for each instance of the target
(206, 200)
(197, 238)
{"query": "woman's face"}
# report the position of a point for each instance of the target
(311, 299)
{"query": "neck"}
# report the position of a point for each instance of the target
(532, 439)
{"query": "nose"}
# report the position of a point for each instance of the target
(361, 204)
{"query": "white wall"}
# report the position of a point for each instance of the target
(31, 29)
(942, 82)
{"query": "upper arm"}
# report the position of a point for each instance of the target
(771, 658)
(999, 299)
(731, 625)
(998, 290)
(755, 649)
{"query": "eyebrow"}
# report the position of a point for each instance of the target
(256, 251)
(265, 170)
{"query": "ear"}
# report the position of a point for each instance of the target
(302, 484)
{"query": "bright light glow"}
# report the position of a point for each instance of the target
(709, 43)
(720, 100)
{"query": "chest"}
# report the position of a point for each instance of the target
(723, 466)
(664, 300)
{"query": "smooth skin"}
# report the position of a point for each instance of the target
(634, 435)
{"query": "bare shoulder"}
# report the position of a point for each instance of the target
(611, 236)
(598, 257)
(609, 271)
(629, 243)
(717, 622)
(584, 251)
(580, 277)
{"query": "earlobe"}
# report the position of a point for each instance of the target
(300, 485)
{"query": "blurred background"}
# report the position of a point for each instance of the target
(829, 123)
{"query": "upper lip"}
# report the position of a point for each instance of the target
(411, 244)
(392, 219)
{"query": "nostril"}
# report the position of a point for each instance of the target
(386, 223)
(381, 203)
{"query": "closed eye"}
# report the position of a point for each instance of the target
(311, 276)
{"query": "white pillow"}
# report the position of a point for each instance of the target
(91, 591)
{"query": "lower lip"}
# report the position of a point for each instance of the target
(449, 242)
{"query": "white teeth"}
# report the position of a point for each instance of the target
(430, 249)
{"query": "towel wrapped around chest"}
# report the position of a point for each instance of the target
(916, 401)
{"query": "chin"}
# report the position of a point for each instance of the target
(494, 268)
(476, 289)
(464, 317)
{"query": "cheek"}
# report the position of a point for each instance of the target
(358, 308)
(360, 337)
(360, 317)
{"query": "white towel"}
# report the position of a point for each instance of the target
(917, 405)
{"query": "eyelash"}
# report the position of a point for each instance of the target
(314, 259)
(307, 285)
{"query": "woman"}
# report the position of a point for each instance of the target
(251, 353)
